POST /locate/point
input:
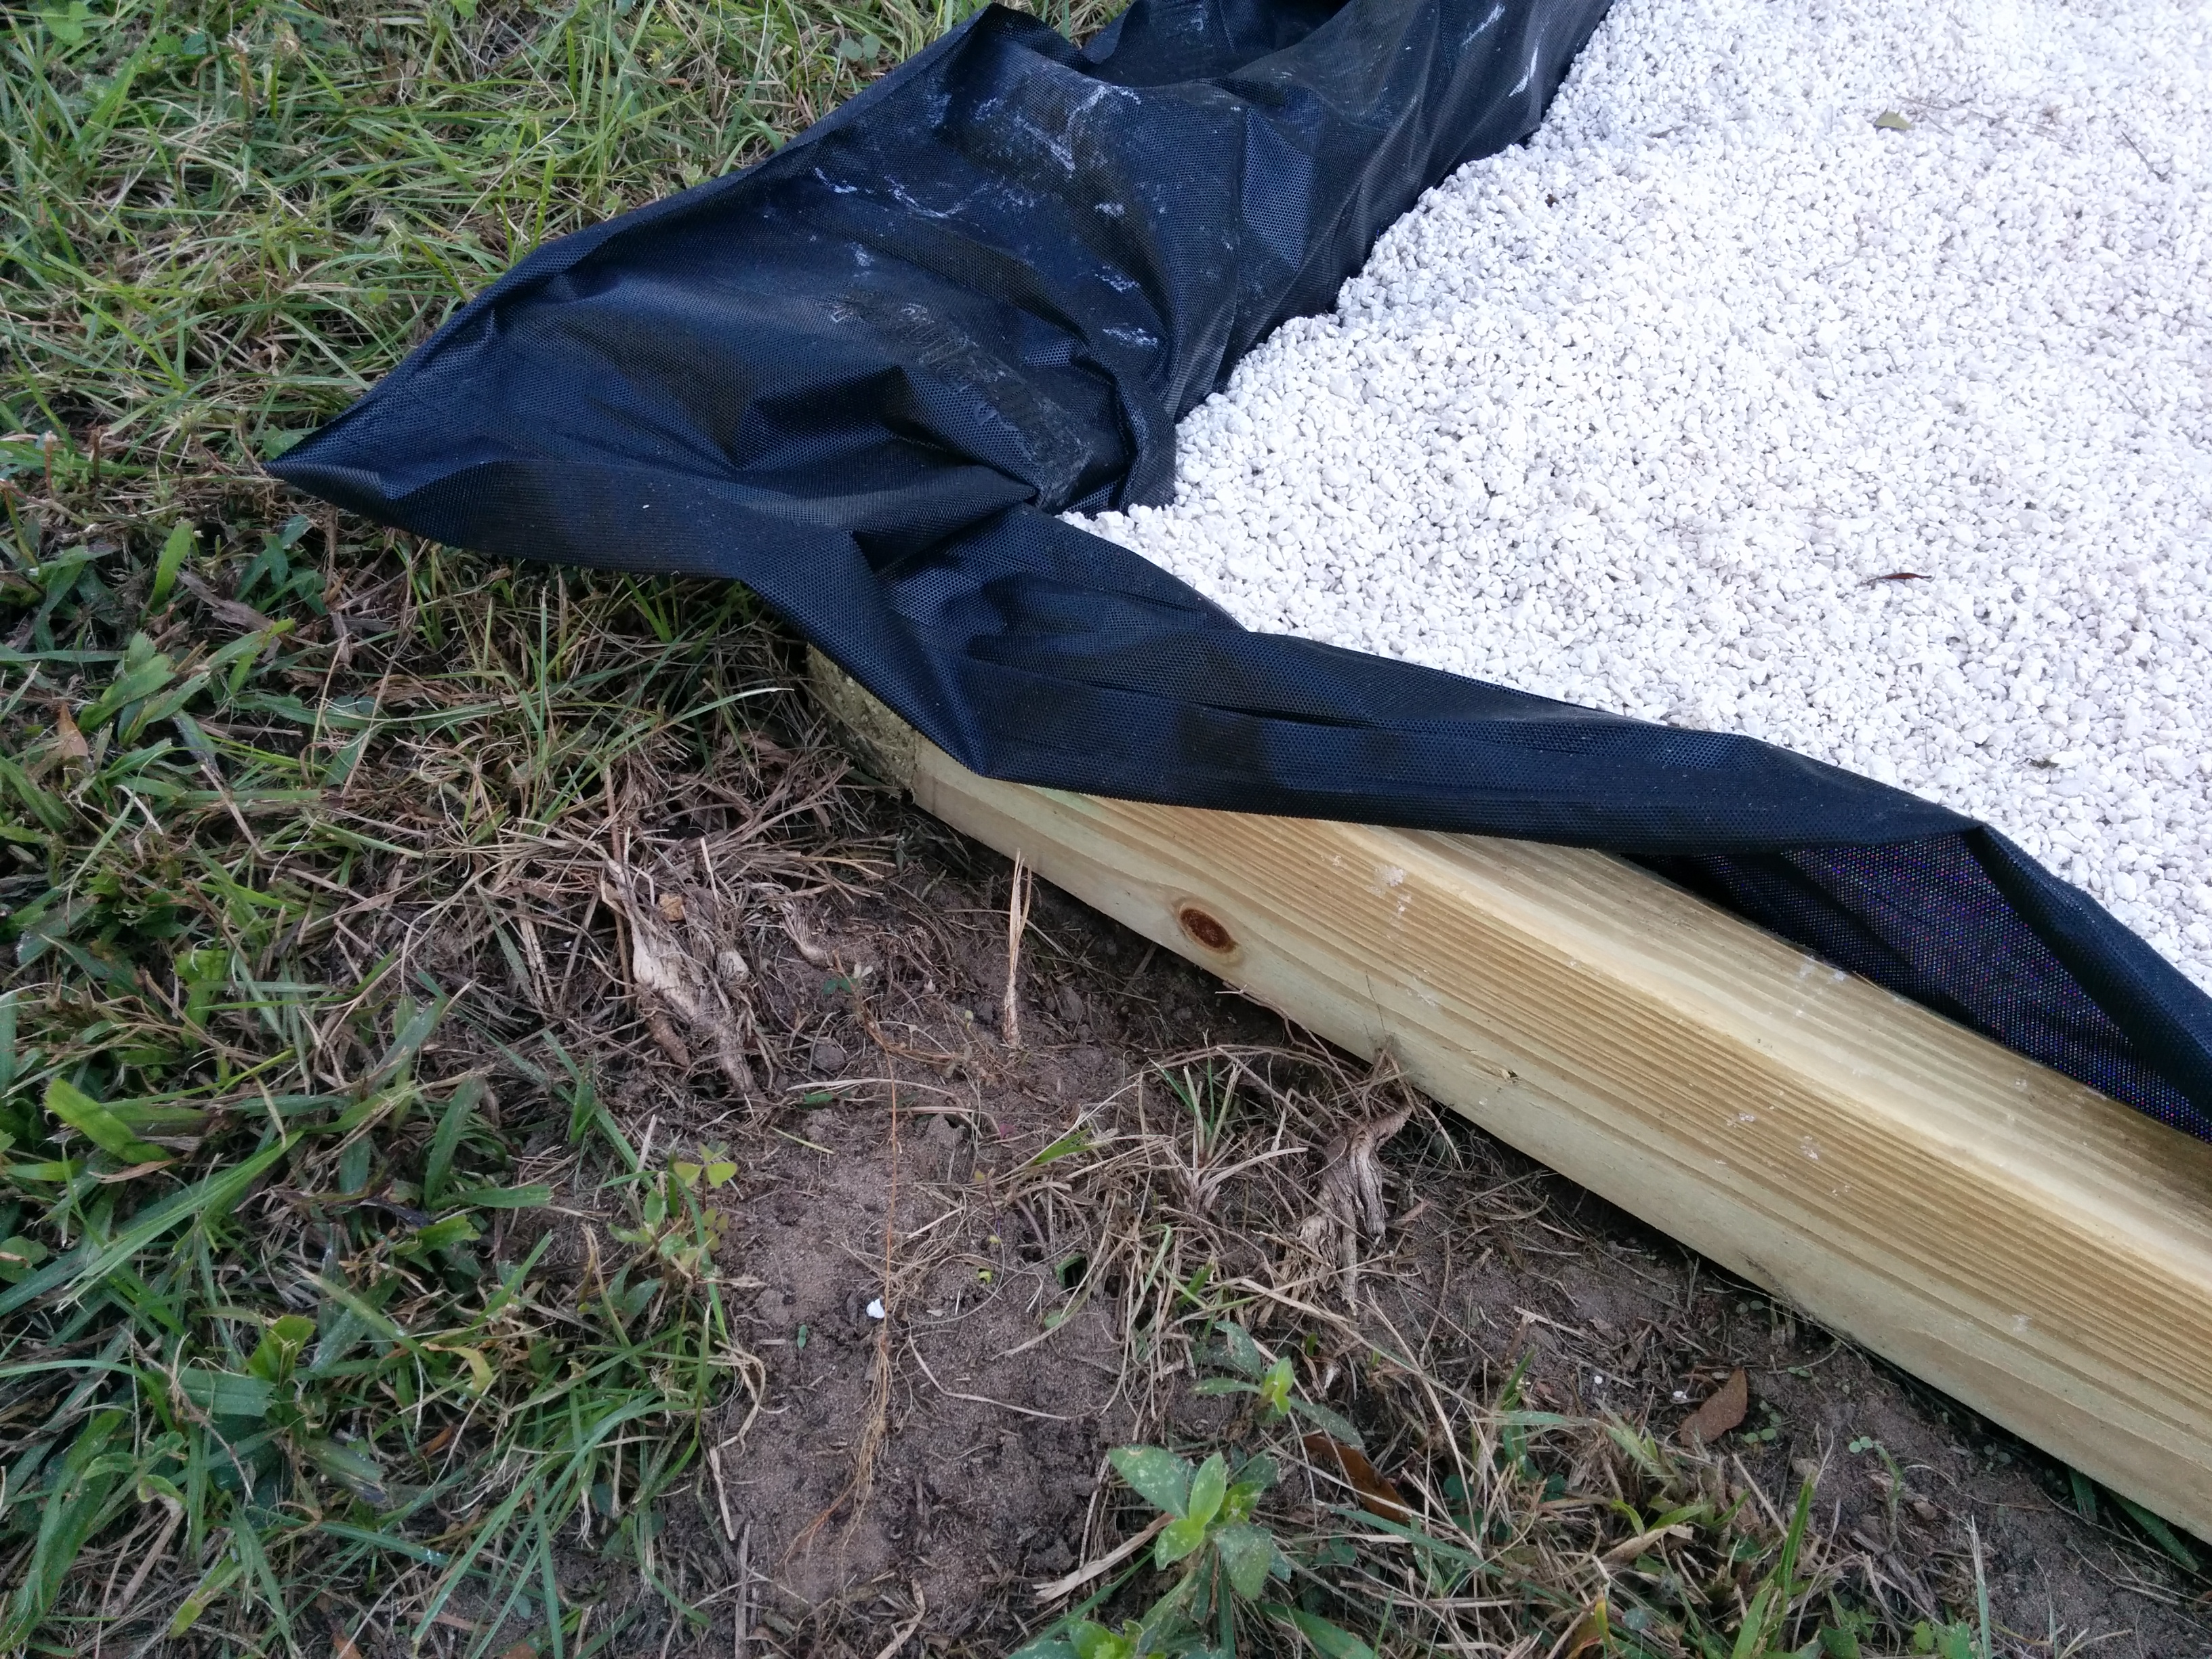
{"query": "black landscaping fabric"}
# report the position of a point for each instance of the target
(864, 377)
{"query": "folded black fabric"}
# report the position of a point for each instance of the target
(865, 375)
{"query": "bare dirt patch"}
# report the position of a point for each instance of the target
(1066, 1223)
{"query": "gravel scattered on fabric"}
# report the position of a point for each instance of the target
(1720, 403)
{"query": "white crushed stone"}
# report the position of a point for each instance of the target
(1640, 414)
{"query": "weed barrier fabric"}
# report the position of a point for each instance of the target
(865, 376)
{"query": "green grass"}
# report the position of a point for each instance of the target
(300, 828)
(343, 1292)
(226, 221)
(276, 1309)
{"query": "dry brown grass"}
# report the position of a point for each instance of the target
(430, 918)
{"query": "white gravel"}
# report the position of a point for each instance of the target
(1648, 414)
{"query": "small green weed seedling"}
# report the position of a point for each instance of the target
(1271, 1383)
(672, 1226)
(1227, 1559)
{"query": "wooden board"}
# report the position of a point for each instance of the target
(2028, 1245)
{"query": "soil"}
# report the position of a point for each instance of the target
(908, 1478)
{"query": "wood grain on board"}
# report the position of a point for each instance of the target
(2025, 1245)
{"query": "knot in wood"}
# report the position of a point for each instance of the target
(1203, 927)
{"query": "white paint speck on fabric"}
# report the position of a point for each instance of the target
(1717, 403)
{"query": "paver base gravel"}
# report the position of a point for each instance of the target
(1837, 375)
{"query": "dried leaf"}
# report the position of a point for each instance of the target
(691, 977)
(1723, 1410)
(1351, 1192)
(68, 742)
(810, 950)
(1377, 1495)
(135, 1171)
(1629, 1548)
(230, 612)
(664, 1034)
(1592, 1633)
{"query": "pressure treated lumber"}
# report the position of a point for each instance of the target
(2028, 1245)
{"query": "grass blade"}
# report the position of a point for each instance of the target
(451, 1126)
(87, 1264)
